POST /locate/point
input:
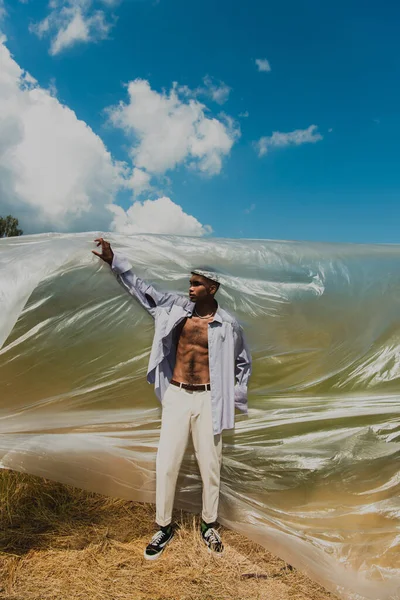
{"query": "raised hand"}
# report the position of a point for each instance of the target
(106, 253)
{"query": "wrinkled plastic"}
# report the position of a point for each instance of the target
(313, 473)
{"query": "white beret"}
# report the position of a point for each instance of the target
(204, 273)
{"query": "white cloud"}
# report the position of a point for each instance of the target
(244, 115)
(139, 181)
(70, 22)
(217, 91)
(292, 138)
(169, 130)
(263, 65)
(55, 172)
(75, 30)
(156, 216)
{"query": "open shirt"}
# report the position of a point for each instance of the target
(229, 356)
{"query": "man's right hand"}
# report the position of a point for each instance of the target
(106, 253)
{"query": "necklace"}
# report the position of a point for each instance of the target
(206, 316)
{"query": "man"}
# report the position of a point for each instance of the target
(198, 353)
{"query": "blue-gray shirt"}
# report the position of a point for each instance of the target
(229, 356)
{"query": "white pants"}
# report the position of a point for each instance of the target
(184, 412)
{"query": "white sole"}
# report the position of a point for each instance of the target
(156, 556)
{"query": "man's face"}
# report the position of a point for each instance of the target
(200, 288)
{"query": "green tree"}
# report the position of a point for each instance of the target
(9, 227)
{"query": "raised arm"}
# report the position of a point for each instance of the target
(242, 369)
(146, 294)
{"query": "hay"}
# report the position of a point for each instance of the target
(61, 543)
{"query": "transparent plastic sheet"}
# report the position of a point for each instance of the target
(312, 474)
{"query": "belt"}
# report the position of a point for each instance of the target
(193, 387)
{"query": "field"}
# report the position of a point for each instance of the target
(62, 543)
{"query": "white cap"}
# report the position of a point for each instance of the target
(205, 273)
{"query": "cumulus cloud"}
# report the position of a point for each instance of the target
(55, 172)
(292, 138)
(70, 22)
(263, 65)
(169, 129)
(139, 181)
(156, 216)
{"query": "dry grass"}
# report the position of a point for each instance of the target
(61, 543)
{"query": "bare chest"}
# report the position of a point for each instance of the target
(194, 332)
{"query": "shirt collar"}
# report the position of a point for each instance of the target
(217, 316)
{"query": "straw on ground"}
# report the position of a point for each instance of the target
(61, 543)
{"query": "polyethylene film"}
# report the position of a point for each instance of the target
(313, 472)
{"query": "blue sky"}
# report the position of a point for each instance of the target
(333, 67)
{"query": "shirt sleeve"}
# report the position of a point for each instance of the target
(147, 296)
(242, 369)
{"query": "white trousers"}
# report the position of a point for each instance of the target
(183, 412)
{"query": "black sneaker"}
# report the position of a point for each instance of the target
(158, 542)
(211, 538)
